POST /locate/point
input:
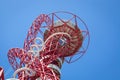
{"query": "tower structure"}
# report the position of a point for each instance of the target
(51, 40)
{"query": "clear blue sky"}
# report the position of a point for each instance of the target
(102, 60)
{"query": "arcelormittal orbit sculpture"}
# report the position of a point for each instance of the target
(51, 40)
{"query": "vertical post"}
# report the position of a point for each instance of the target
(1, 74)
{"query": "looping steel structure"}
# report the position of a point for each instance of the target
(51, 40)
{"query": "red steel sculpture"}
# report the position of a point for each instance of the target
(51, 40)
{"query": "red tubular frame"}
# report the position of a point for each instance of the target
(18, 58)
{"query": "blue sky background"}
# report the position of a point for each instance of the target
(102, 60)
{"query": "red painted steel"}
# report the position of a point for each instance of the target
(61, 40)
(1, 74)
